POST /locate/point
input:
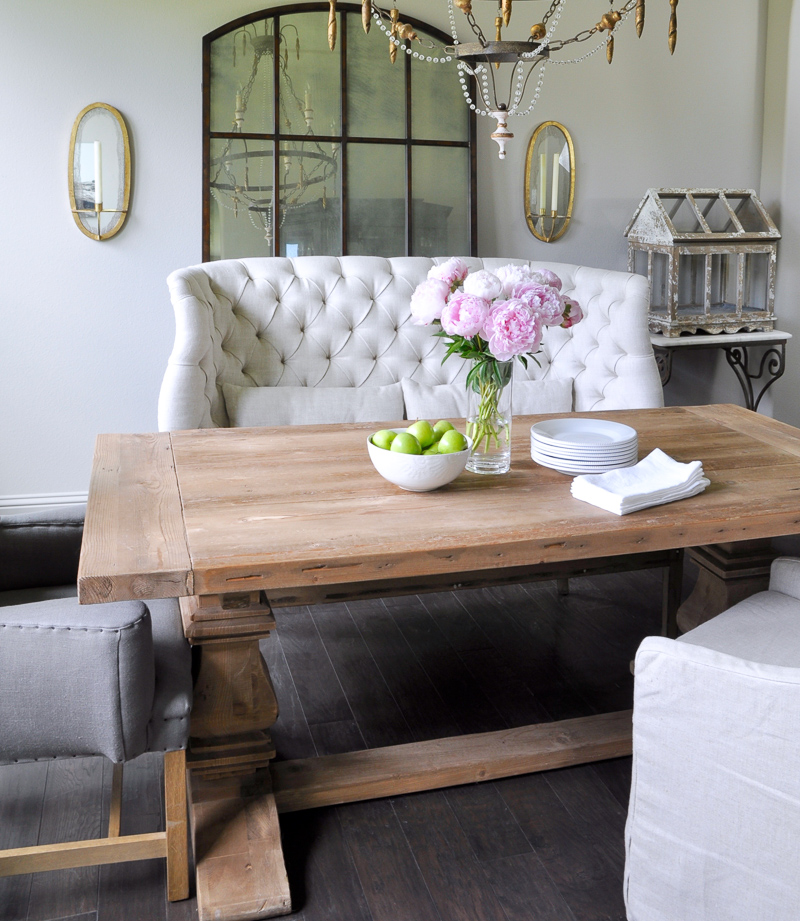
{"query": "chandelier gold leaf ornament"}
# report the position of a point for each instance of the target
(495, 97)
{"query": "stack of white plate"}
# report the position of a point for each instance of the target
(578, 446)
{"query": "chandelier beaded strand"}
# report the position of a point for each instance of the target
(482, 58)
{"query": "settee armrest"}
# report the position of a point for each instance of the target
(40, 548)
(75, 679)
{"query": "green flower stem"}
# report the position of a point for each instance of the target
(485, 428)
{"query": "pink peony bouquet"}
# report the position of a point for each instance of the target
(491, 318)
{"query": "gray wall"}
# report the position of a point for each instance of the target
(781, 185)
(88, 327)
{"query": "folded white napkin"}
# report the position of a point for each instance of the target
(653, 481)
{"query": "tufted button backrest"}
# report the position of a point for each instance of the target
(325, 321)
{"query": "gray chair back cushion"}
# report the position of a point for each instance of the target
(40, 548)
(168, 728)
(75, 680)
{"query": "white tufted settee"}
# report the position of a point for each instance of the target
(324, 321)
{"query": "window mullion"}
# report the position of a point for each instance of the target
(343, 120)
(276, 173)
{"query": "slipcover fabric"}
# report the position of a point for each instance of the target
(26, 539)
(326, 321)
(713, 830)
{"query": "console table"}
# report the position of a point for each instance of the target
(737, 348)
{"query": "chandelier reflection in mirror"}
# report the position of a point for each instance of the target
(242, 175)
(502, 96)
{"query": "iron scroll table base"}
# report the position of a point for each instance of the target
(737, 347)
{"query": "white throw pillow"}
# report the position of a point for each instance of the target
(449, 401)
(260, 406)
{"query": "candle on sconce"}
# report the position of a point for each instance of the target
(554, 196)
(307, 97)
(239, 99)
(98, 174)
(542, 183)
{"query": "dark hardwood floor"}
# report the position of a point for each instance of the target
(545, 847)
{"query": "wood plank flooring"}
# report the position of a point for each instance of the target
(545, 847)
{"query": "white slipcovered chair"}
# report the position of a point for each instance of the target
(344, 322)
(713, 831)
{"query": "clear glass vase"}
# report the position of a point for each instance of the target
(489, 417)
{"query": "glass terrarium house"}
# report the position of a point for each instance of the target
(710, 256)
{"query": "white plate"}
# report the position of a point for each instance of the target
(578, 469)
(594, 432)
(587, 466)
(579, 453)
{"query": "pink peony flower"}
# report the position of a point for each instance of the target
(572, 313)
(543, 300)
(428, 301)
(452, 272)
(511, 329)
(483, 284)
(464, 315)
(546, 277)
(513, 275)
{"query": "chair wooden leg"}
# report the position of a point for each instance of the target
(115, 808)
(176, 824)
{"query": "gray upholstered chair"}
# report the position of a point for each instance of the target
(79, 680)
(713, 830)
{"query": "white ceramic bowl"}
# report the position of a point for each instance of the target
(417, 472)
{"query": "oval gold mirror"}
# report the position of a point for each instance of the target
(99, 171)
(549, 181)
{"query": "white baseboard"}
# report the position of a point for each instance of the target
(17, 505)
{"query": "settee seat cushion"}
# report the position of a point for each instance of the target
(256, 406)
(425, 401)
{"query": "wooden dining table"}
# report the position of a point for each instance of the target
(236, 522)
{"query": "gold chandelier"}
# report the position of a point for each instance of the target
(481, 58)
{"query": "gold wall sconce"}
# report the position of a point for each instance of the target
(549, 181)
(99, 171)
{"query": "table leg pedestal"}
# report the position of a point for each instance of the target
(237, 846)
(728, 573)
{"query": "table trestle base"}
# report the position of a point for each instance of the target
(727, 574)
(237, 845)
(361, 775)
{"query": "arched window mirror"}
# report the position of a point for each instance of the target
(369, 157)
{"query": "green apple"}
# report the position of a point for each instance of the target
(433, 449)
(406, 443)
(423, 432)
(452, 442)
(384, 438)
(441, 427)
